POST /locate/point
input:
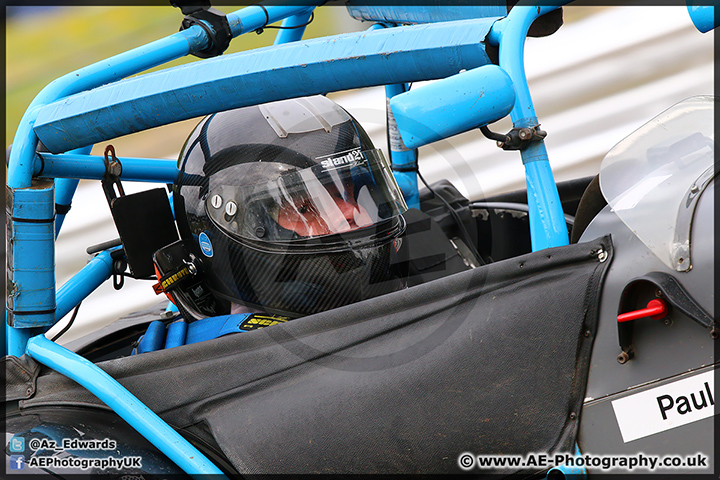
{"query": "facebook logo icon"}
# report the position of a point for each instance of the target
(17, 462)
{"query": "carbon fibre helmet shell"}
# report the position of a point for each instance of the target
(240, 167)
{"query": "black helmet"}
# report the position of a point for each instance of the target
(290, 208)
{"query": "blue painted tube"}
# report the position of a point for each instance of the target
(31, 263)
(453, 105)
(377, 26)
(292, 31)
(172, 205)
(308, 67)
(92, 167)
(22, 158)
(403, 160)
(17, 338)
(425, 12)
(90, 277)
(703, 17)
(64, 192)
(400, 157)
(22, 155)
(547, 222)
(509, 34)
(124, 403)
(253, 17)
(547, 219)
(133, 61)
(568, 472)
(407, 181)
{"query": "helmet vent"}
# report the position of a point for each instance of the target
(303, 115)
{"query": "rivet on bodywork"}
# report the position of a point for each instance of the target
(623, 358)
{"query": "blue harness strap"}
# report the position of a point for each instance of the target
(178, 333)
(153, 338)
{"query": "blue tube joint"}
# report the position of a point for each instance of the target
(453, 105)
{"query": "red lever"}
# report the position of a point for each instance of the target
(656, 309)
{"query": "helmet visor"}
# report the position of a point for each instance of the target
(342, 192)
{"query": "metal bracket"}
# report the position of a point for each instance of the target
(118, 268)
(517, 138)
(213, 21)
(680, 248)
(113, 170)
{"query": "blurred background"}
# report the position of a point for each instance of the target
(606, 72)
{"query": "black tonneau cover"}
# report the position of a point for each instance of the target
(488, 361)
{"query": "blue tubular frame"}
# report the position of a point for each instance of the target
(125, 404)
(547, 220)
(21, 167)
(125, 64)
(404, 161)
(30, 296)
(95, 273)
(91, 167)
(316, 66)
(388, 57)
(21, 164)
(64, 192)
(178, 45)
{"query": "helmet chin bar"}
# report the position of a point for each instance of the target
(181, 278)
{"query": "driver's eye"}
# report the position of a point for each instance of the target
(303, 209)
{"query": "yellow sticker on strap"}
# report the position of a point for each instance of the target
(257, 321)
